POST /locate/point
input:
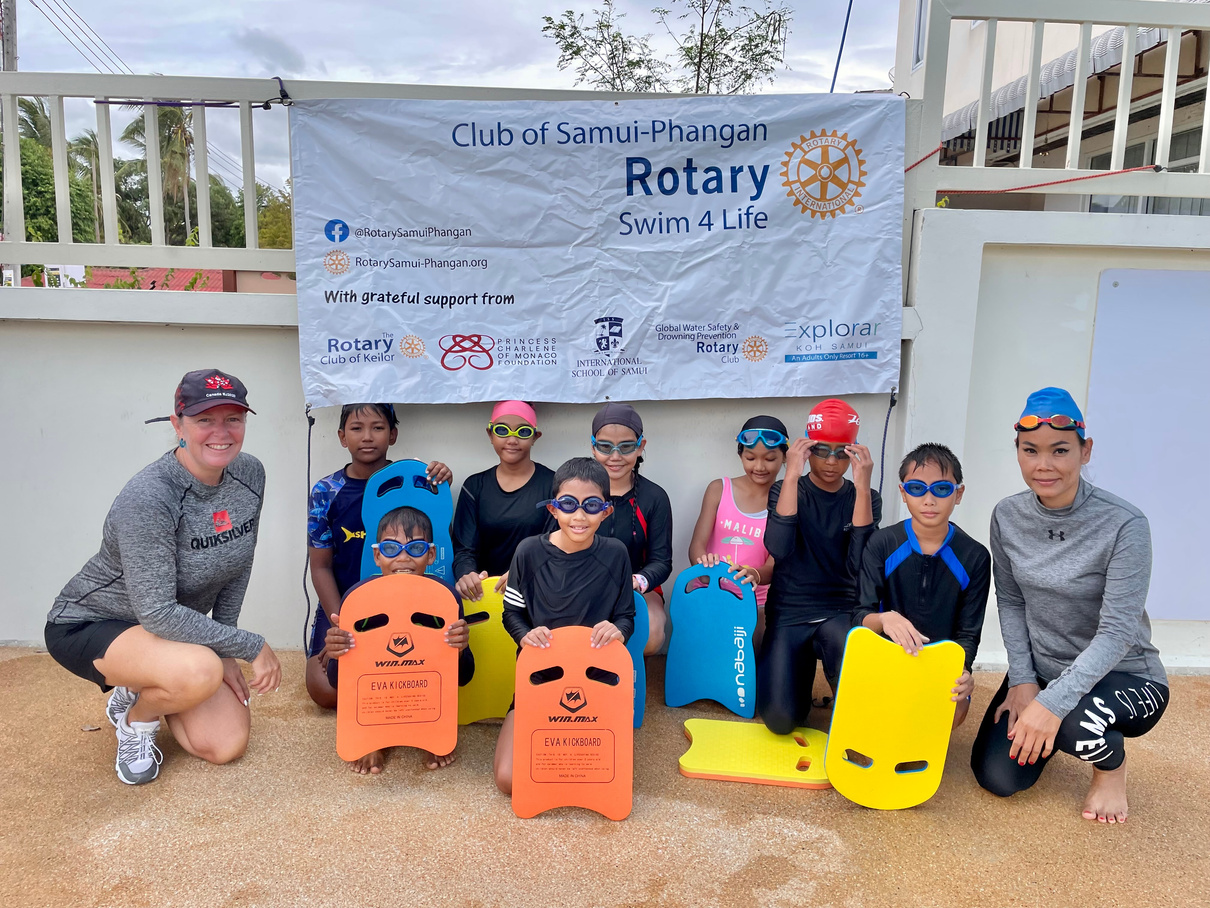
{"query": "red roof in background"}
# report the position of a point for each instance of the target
(211, 280)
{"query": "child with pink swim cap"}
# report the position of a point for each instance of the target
(499, 507)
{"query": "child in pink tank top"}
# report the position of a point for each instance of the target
(731, 525)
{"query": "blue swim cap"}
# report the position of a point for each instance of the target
(1053, 402)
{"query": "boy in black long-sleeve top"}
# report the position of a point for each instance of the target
(816, 533)
(924, 580)
(571, 577)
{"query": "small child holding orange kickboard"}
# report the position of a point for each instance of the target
(924, 580)
(404, 546)
(570, 577)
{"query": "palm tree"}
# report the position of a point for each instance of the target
(176, 151)
(85, 155)
(34, 120)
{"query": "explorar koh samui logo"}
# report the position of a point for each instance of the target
(824, 173)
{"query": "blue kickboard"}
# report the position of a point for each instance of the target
(710, 655)
(403, 484)
(635, 645)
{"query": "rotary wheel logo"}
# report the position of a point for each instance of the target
(824, 173)
(755, 349)
(336, 262)
(411, 346)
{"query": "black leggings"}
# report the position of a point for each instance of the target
(1119, 706)
(785, 672)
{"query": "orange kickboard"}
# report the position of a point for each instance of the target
(748, 752)
(573, 743)
(399, 684)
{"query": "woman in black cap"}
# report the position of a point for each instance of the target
(153, 614)
(641, 515)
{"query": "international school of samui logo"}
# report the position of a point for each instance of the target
(755, 348)
(336, 262)
(411, 346)
(608, 335)
(824, 173)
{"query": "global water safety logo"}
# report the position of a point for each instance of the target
(824, 174)
(336, 230)
(609, 337)
(461, 350)
(755, 348)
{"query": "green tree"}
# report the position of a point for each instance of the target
(33, 120)
(274, 224)
(38, 199)
(721, 47)
(226, 216)
(176, 155)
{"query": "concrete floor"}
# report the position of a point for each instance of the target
(288, 825)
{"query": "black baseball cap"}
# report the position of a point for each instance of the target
(205, 389)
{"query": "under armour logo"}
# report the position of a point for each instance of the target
(1060, 534)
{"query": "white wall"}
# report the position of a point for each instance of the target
(1008, 303)
(73, 397)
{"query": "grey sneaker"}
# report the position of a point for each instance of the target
(138, 758)
(120, 700)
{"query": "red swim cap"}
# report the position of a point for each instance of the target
(833, 421)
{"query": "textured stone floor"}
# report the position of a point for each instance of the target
(288, 826)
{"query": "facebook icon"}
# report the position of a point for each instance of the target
(336, 230)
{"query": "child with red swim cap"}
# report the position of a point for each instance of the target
(816, 538)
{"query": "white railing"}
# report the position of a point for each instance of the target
(1178, 21)
(198, 95)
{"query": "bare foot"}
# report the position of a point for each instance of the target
(1106, 801)
(434, 761)
(961, 708)
(371, 763)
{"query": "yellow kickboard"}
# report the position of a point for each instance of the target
(892, 720)
(749, 752)
(489, 693)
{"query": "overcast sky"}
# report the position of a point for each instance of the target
(450, 42)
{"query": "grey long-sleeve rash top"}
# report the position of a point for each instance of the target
(1071, 586)
(176, 556)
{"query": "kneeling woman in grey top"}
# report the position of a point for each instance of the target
(1072, 564)
(153, 614)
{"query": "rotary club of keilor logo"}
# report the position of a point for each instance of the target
(411, 346)
(824, 173)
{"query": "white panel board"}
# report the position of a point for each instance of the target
(1149, 416)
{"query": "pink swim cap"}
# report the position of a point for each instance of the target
(515, 408)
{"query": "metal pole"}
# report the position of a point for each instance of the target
(844, 34)
(8, 59)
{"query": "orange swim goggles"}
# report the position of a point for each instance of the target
(1058, 421)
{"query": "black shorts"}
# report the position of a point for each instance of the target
(75, 646)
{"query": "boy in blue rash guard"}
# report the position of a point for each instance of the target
(335, 534)
(925, 580)
(404, 546)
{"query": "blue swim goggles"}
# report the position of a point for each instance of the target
(625, 448)
(943, 488)
(389, 548)
(771, 438)
(569, 504)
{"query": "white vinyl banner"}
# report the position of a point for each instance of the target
(453, 251)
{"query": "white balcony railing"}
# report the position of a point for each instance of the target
(1165, 23)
